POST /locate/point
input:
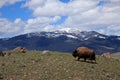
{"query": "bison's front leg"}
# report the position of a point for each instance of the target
(78, 58)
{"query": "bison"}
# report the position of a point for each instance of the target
(84, 52)
(4, 53)
(22, 50)
(106, 55)
(1, 53)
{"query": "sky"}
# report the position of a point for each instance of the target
(26, 16)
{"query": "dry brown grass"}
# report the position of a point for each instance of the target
(56, 66)
(116, 55)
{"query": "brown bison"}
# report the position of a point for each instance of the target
(83, 52)
(106, 55)
(22, 50)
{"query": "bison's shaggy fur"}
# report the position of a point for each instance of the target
(83, 52)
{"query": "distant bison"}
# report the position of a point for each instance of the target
(106, 55)
(22, 50)
(1, 53)
(83, 52)
(4, 53)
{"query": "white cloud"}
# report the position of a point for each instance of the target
(81, 15)
(33, 4)
(11, 28)
(7, 2)
(97, 18)
(55, 7)
(114, 27)
(18, 26)
(40, 24)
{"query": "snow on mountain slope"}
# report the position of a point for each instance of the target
(75, 34)
(65, 41)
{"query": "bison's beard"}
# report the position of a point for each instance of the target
(74, 54)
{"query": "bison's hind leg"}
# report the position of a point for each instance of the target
(85, 59)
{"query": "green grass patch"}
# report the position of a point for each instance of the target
(33, 65)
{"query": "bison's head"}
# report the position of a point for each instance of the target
(74, 53)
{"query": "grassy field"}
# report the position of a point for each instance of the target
(56, 66)
(116, 55)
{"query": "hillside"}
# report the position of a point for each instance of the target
(116, 55)
(33, 65)
(63, 41)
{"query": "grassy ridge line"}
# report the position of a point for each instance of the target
(56, 66)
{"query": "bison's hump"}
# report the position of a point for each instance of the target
(84, 49)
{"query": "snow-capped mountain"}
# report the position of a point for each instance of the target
(84, 35)
(63, 40)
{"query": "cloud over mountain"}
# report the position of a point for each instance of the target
(7, 2)
(98, 15)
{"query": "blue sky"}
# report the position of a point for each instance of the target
(11, 12)
(25, 16)
(65, 1)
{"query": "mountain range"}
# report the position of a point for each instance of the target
(63, 41)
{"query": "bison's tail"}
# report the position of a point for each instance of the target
(93, 56)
